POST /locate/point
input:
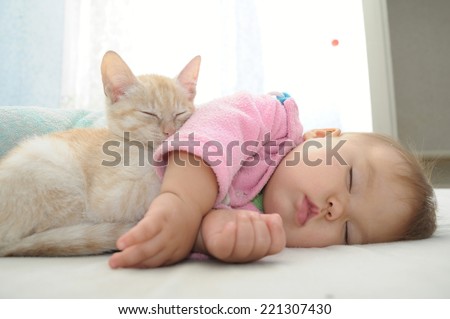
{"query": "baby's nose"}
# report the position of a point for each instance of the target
(335, 209)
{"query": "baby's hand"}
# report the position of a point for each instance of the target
(241, 235)
(164, 236)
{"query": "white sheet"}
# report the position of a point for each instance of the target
(418, 269)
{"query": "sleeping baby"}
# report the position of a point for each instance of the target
(241, 181)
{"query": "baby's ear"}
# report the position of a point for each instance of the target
(188, 77)
(116, 76)
(321, 132)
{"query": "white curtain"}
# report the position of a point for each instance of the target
(312, 49)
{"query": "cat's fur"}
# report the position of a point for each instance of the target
(56, 197)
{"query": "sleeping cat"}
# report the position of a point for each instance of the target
(56, 197)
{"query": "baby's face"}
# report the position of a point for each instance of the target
(338, 190)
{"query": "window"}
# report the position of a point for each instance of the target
(313, 49)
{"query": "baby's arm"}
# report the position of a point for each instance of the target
(240, 235)
(169, 229)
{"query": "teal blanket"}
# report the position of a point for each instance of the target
(20, 122)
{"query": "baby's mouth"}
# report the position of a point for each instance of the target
(305, 211)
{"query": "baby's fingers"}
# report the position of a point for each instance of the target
(277, 233)
(146, 229)
(133, 256)
(252, 240)
(262, 238)
(222, 243)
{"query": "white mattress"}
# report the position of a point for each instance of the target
(417, 269)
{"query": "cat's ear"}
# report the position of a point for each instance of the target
(116, 76)
(189, 75)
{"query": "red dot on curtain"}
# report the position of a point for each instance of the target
(335, 42)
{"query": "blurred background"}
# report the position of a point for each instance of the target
(361, 65)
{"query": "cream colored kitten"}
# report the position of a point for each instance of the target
(65, 194)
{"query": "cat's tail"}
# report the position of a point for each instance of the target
(76, 240)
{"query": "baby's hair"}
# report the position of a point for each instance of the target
(415, 175)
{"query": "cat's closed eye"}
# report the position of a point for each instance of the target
(180, 113)
(151, 114)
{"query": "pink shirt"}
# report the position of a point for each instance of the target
(243, 138)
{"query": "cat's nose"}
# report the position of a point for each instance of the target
(168, 129)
